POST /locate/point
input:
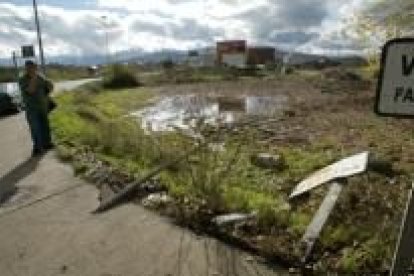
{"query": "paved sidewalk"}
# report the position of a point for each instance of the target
(59, 236)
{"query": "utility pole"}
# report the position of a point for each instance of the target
(39, 37)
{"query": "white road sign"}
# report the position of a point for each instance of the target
(346, 167)
(395, 91)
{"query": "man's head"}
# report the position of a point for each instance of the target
(30, 67)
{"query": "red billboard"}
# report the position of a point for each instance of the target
(230, 47)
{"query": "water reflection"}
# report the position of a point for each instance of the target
(184, 111)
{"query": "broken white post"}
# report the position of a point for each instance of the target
(404, 253)
(340, 170)
(319, 220)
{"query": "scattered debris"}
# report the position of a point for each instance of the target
(249, 259)
(156, 200)
(233, 218)
(131, 188)
(268, 161)
(153, 186)
(350, 166)
(383, 167)
(293, 270)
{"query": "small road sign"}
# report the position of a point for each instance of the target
(395, 91)
(346, 167)
(28, 51)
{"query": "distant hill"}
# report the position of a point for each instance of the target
(177, 56)
(298, 58)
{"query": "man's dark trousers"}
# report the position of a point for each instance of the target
(39, 128)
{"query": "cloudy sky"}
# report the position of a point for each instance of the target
(77, 27)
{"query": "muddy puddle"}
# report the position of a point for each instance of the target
(184, 111)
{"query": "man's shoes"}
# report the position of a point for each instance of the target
(39, 152)
(36, 152)
(49, 147)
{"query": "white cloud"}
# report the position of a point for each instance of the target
(308, 25)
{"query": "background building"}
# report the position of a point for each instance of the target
(232, 53)
(260, 55)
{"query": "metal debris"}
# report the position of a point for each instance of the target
(269, 161)
(319, 220)
(346, 167)
(156, 200)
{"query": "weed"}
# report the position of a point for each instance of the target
(64, 153)
(119, 76)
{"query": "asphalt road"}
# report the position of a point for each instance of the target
(70, 85)
(46, 226)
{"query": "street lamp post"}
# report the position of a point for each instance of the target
(39, 37)
(106, 39)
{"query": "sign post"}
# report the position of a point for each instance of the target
(395, 98)
(16, 68)
(28, 51)
(404, 254)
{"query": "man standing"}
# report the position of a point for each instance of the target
(35, 89)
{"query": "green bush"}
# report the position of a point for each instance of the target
(167, 64)
(7, 74)
(120, 76)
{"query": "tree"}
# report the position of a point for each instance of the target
(380, 21)
(386, 19)
(167, 64)
(395, 16)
